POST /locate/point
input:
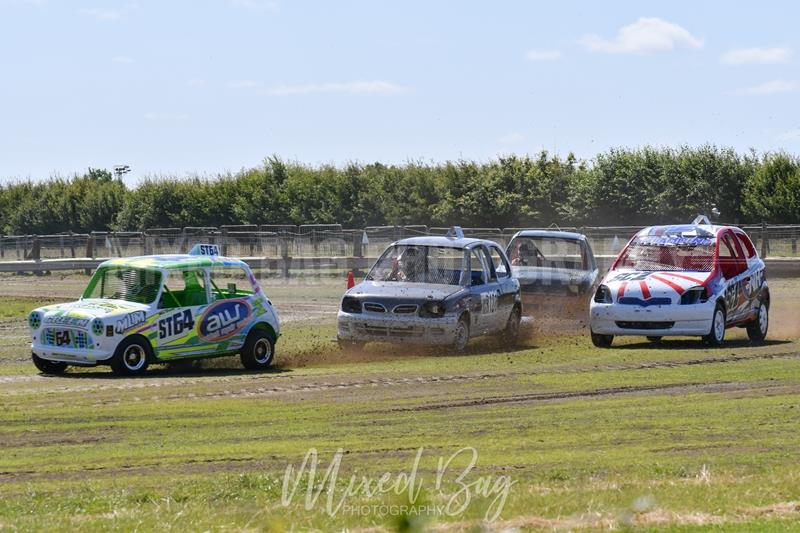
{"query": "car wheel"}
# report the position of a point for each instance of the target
(258, 350)
(350, 346)
(602, 341)
(757, 330)
(511, 333)
(716, 336)
(461, 335)
(132, 357)
(654, 338)
(48, 367)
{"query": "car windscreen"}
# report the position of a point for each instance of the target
(547, 252)
(124, 283)
(419, 264)
(652, 253)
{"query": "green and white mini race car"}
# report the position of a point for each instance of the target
(159, 309)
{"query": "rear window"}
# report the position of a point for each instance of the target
(547, 252)
(671, 253)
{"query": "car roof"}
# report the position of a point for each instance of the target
(707, 230)
(550, 234)
(176, 261)
(444, 242)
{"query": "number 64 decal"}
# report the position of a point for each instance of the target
(489, 302)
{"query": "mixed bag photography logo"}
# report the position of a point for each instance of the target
(430, 485)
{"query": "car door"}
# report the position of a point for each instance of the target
(508, 288)
(485, 293)
(184, 296)
(754, 278)
(734, 269)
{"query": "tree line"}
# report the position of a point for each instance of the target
(622, 186)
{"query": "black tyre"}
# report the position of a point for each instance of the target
(350, 346)
(461, 335)
(510, 334)
(132, 357)
(654, 338)
(602, 341)
(48, 367)
(716, 336)
(258, 350)
(757, 330)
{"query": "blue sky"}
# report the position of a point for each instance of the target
(179, 86)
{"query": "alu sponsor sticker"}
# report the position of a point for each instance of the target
(129, 321)
(224, 319)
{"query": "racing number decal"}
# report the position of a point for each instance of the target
(175, 324)
(489, 302)
(630, 276)
(62, 338)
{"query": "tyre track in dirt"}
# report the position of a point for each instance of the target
(249, 385)
(671, 388)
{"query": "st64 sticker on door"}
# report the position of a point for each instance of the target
(175, 324)
(224, 319)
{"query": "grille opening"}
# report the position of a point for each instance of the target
(374, 308)
(645, 325)
(405, 309)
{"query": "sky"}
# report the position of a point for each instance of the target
(176, 87)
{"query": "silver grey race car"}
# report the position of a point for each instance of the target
(433, 290)
(555, 269)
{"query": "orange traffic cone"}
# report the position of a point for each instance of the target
(351, 280)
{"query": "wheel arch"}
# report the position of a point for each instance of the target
(151, 352)
(266, 327)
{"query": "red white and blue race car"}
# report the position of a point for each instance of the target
(694, 279)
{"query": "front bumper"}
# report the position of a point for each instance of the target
(657, 320)
(379, 327)
(73, 356)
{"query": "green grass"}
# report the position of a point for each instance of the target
(672, 436)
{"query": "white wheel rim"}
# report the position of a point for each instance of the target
(134, 358)
(262, 351)
(719, 325)
(763, 319)
(461, 336)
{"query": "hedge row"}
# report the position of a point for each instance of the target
(621, 186)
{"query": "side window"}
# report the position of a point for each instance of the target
(499, 263)
(487, 260)
(730, 259)
(184, 288)
(230, 282)
(725, 249)
(747, 246)
(476, 268)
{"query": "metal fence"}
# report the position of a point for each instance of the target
(316, 241)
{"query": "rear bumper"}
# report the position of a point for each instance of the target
(659, 320)
(372, 327)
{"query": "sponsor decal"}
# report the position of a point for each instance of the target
(66, 320)
(130, 320)
(224, 319)
(204, 249)
(175, 324)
